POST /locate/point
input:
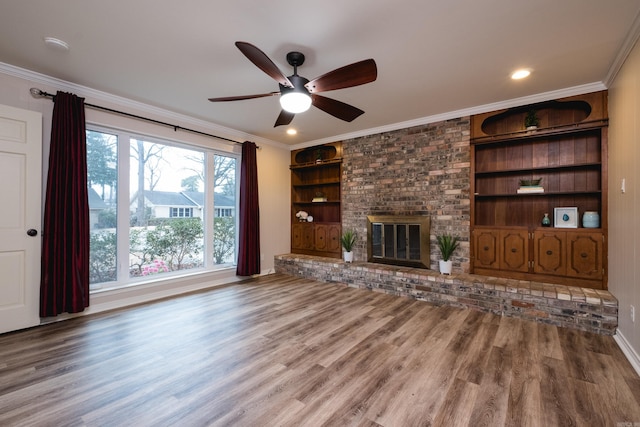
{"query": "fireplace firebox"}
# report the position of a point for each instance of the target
(399, 240)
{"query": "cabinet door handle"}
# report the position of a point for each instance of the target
(486, 248)
(549, 252)
(514, 250)
(583, 255)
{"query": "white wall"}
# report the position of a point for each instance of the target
(273, 170)
(624, 208)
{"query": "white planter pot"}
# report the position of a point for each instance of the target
(347, 256)
(446, 267)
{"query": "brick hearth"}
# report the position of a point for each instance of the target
(564, 306)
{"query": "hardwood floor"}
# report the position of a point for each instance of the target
(284, 351)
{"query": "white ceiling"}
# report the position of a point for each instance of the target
(435, 57)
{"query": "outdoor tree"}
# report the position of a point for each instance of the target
(175, 241)
(102, 257)
(191, 183)
(101, 163)
(224, 173)
(224, 237)
(149, 158)
(139, 250)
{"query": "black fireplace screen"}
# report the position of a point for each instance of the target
(401, 240)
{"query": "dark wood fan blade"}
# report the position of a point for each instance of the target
(262, 61)
(284, 118)
(241, 97)
(338, 109)
(355, 74)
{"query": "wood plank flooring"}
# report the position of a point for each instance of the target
(284, 351)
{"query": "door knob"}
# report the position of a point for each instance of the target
(32, 232)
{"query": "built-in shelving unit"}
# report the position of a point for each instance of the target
(316, 174)
(567, 151)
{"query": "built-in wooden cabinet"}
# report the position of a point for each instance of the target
(316, 174)
(568, 152)
(501, 249)
(546, 254)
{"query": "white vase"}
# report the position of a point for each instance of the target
(446, 267)
(347, 256)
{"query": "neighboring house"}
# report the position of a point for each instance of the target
(223, 204)
(96, 205)
(184, 204)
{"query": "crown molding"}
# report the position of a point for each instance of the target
(211, 127)
(515, 102)
(139, 107)
(627, 46)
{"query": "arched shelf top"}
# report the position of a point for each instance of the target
(550, 114)
(561, 115)
(317, 155)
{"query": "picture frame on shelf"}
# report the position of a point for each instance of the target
(565, 217)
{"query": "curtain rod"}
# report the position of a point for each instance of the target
(37, 93)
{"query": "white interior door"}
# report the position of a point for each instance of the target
(20, 217)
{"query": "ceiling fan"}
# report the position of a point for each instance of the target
(297, 93)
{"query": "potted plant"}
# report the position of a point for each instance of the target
(348, 240)
(447, 245)
(531, 120)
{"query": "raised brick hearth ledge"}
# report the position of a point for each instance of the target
(566, 306)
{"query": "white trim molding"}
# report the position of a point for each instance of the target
(628, 351)
(125, 103)
(516, 102)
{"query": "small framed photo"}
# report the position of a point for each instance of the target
(565, 217)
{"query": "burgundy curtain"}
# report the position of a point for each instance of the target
(249, 219)
(64, 283)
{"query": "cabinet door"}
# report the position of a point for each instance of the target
(487, 248)
(514, 253)
(333, 236)
(296, 236)
(321, 237)
(302, 236)
(584, 255)
(550, 253)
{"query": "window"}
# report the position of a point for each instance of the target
(164, 220)
(181, 212)
(220, 212)
(102, 179)
(224, 200)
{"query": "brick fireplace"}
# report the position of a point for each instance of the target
(419, 171)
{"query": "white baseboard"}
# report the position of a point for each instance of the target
(628, 351)
(112, 299)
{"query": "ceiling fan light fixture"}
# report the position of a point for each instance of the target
(295, 102)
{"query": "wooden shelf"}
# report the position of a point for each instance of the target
(521, 171)
(318, 203)
(568, 152)
(309, 179)
(317, 184)
(541, 133)
(312, 165)
(547, 193)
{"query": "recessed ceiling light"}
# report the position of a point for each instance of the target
(520, 74)
(291, 131)
(56, 44)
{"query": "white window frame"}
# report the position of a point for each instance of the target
(124, 138)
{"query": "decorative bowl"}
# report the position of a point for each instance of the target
(530, 182)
